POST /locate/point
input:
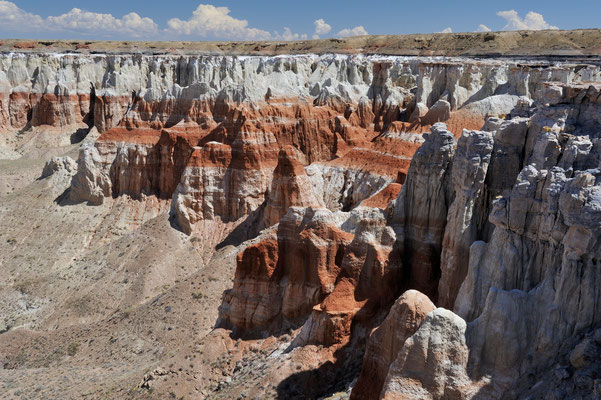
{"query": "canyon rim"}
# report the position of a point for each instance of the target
(374, 217)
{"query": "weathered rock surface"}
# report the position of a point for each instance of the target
(290, 187)
(432, 362)
(538, 262)
(403, 320)
(59, 165)
(469, 171)
(281, 278)
(420, 211)
(153, 112)
(320, 174)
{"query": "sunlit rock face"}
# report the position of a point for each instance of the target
(160, 117)
(431, 224)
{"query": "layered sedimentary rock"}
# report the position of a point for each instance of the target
(280, 279)
(290, 187)
(420, 211)
(351, 180)
(537, 178)
(153, 111)
(469, 171)
(366, 283)
(371, 269)
(543, 246)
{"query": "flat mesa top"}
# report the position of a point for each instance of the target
(554, 43)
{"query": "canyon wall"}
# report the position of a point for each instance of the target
(441, 213)
(168, 123)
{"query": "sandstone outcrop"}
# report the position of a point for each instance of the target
(90, 183)
(282, 277)
(290, 187)
(403, 320)
(432, 362)
(469, 170)
(338, 111)
(527, 187)
(59, 164)
(368, 281)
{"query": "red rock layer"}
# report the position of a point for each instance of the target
(110, 110)
(148, 161)
(368, 282)
(290, 187)
(279, 280)
(383, 198)
(161, 146)
(458, 121)
(318, 275)
(22, 109)
(295, 121)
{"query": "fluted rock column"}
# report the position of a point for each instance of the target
(420, 211)
(470, 165)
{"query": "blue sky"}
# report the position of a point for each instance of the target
(281, 20)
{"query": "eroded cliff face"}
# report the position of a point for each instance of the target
(160, 119)
(439, 216)
(526, 284)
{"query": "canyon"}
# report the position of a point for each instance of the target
(343, 224)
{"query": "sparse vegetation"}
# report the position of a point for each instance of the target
(72, 348)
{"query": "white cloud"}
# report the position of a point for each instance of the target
(356, 31)
(206, 22)
(483, 28)
(288, 35)
(210, 21)
(321, 27)
(13, 18)
(88, 23)
(533, 21)
(447, 30)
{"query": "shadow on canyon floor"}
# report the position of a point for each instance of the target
(325, 380)
(246, 230)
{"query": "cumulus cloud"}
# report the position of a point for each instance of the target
(533, 21)
(84, 22)
(321, 28)
(289, 35)
(206, 22)
(356, 31)
(14, 18)
(483, 28)
(447, 30)
(89, 22)
(210, 21)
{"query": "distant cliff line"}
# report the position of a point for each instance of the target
(573, 44)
